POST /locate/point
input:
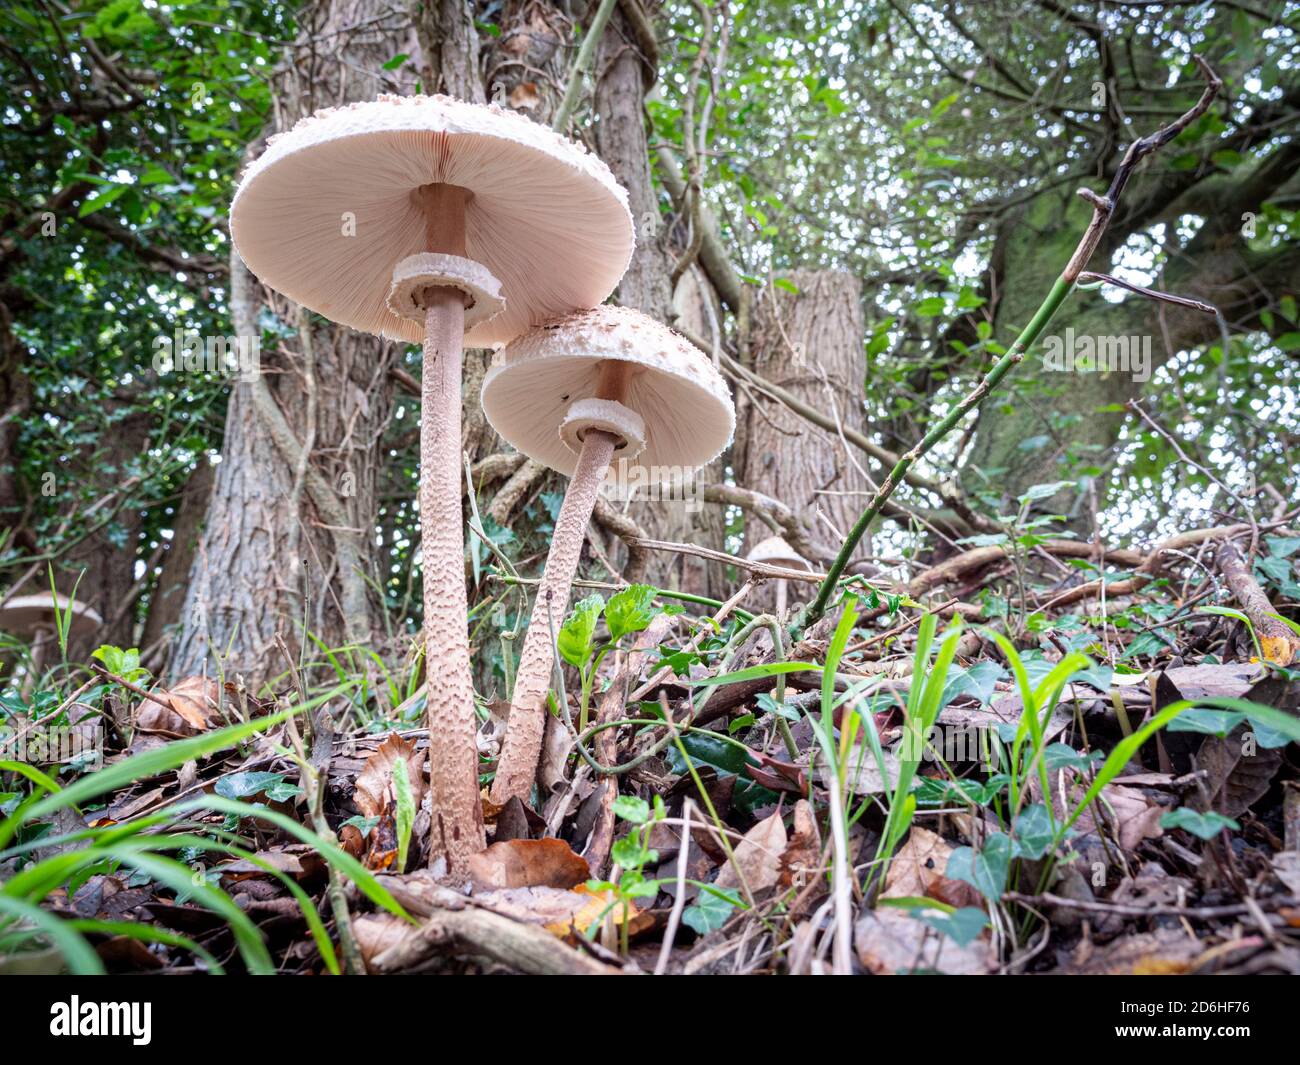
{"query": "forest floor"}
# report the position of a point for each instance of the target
(1051, 766)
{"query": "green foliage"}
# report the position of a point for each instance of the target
(1202, 825)
(146, 176)
(155, 847)
(1034, 831)
(916, 157)
(125, 664)
(576, 640)
(628, 612)
(405, 815)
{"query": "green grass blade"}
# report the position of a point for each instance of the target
(147, 933)
(152, 763)
(79, 954)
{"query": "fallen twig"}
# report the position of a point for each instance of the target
(1203, 913)
(481, 932)
(1277, 642)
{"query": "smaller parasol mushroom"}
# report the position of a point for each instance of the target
(776, 552)
(575, 394)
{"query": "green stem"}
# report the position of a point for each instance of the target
(580, 66)
(1014, 355)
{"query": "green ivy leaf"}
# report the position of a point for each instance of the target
(630, 808)
(630, 610)
(986, 870)
(1033, 829)
(961, 926)
(711, 910)
(576, 634)
(1207, 722)
(1201, 825)
(242, 785)
(100, 199)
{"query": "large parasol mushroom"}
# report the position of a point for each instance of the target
(776, 552)
(412, 218)
(575, 394)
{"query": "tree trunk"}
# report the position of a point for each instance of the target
(450, 51)
(102, 566)
(810, 343)
(621, 142)
(287, 545)
(165, 608)
(15, 398)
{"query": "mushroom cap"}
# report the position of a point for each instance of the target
(547, 217)
(776, 552)
(25, 615)
(678, 393)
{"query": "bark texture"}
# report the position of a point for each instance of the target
(621, 140)
(169, 593)
(286, 542)
(15, 398)
(810, 343)
(102, 566)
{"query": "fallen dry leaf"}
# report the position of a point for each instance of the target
(1126, 813)
(776, 775)
(196, 700)
(280, 860)
(1286, 867)
(803, 852)
(1238, 773)
(194, 707)
(524, 96)
(1232, 680)
(543, 906)
(861, 772)
(758, 855)
(374, 794)
(1134, 816)
(377, 932)
(1166, 951)
(599, 906)
(888, 941)
(918, 871)
(528, 863)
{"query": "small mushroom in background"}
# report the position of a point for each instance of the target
(576, 394)
(418, 218)
(34, 619)
(776, 552)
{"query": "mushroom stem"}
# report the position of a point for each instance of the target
(457, 829)
(523, 742)
(780, 600)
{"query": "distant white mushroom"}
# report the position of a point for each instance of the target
(776, 552)
(574, 394)
(34, 618)
(412, 217)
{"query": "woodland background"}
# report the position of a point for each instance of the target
(855, 206)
